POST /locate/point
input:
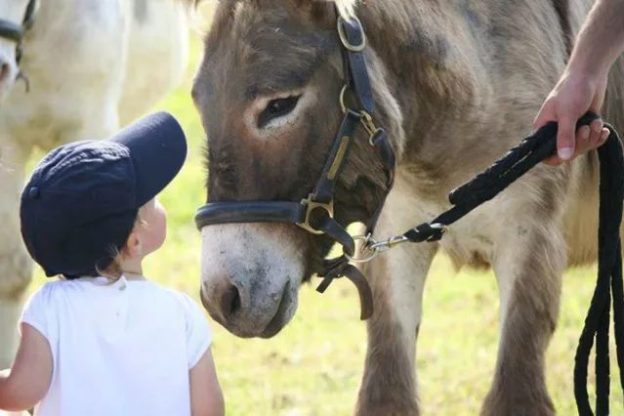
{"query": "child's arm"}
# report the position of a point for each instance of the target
(206, 396)
(29, 379)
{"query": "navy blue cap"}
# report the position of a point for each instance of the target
(83, 197)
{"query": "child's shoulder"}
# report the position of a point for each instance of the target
(46, 297)
(50, 289)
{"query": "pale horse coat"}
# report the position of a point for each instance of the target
(93, 65)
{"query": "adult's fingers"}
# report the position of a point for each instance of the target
(586, 139)
(582, 144)
(597, 131)
(582, 140)
(566, 138)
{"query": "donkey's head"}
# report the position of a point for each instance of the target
(267, 91)
(15, 16)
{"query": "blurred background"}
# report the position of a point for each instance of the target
(314, 365)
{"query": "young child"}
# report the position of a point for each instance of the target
(104, 340)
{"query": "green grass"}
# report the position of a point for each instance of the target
(313, 367)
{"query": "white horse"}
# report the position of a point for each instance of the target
(92, 66)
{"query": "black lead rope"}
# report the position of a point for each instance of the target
(609, 288)
(609, 284)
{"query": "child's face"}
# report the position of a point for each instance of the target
(152, 228)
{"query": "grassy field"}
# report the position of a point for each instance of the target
(314, 365)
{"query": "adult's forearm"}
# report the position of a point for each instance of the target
(601, 39)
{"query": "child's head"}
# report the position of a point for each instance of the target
(90, 206)
(147, 236)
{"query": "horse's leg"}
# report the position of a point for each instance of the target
(397, 279)
(528, 265)
(15, 264)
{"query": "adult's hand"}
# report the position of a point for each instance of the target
(575, 94)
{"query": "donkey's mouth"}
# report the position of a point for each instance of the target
(281, 317)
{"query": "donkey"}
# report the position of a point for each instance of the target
(456, 85)
(92, 65)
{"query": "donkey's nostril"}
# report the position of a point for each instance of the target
(230, 302)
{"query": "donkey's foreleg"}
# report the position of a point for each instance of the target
(397, 279)
(15, 264)
(528, 267)
(389, 381)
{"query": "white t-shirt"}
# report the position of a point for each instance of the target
(124, 348)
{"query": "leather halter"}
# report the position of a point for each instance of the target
(315, 213)
(15, 32)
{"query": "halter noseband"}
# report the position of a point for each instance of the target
(315, 213)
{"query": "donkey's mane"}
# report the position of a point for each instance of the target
(345, 7)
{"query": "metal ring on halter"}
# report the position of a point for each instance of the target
(367, 122)
(366, 119)
(368, 243)
(345, 40)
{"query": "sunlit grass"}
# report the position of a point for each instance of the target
(313, 367)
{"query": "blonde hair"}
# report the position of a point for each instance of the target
(114, 270)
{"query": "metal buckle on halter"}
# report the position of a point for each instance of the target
(369, 126)
(311, 205)
(343, 36)
(365, 118)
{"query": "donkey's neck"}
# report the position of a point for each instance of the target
(438, 71)
(468, 76)
(432, 47)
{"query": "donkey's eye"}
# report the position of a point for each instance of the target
(277, 108)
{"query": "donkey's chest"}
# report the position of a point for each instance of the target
(472, 240)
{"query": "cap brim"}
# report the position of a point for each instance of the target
(158, 149)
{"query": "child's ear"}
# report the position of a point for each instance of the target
(133, 245)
